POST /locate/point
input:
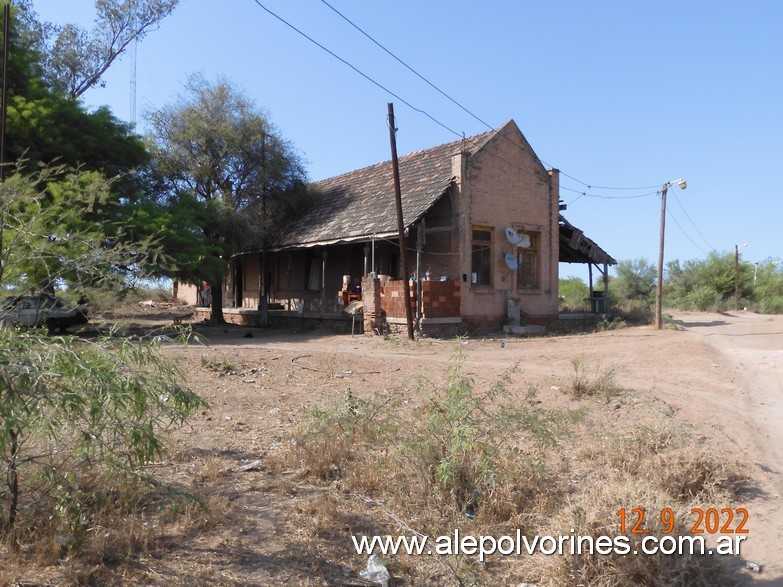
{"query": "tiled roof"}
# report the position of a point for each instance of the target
(360, 204)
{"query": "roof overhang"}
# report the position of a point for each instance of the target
(576, 247)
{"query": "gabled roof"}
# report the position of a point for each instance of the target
(359, 205)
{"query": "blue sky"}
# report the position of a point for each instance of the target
(615, 94)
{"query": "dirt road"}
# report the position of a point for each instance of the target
(753, 346)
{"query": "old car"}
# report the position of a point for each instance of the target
(41, 310)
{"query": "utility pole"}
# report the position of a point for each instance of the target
(659, 285)
(736, 277)
(400, 223)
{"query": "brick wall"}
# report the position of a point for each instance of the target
(393, 298)
(502, 186)
(440, 299)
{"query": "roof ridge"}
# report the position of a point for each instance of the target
(485, 135)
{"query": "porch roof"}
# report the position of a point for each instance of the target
(576, 247)
(359, 205)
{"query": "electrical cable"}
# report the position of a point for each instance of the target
(456, 103)
(408, 67)
(677, 222)
(357, 70)
(676, 199)
(435, 120)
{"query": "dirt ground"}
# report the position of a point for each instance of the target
(721, 373)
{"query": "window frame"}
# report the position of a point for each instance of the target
(481, 256)
(528, 280)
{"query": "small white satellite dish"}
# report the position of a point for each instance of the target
(524, 241)
(513, 236)
(511, 260)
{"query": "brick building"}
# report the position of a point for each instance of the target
(484, 236)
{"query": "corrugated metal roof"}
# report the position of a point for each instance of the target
(360, 204)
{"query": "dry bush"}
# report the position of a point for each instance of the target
(686, 475)
(595, 381)
(593, 512)
(487, 464)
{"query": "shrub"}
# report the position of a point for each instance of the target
(79, 419)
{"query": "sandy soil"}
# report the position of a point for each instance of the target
(721, 372)
(721, 375)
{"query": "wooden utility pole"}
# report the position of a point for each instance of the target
(400, 223)
(736, 278)
(659, 284)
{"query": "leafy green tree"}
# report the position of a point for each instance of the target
(48, 132)
(573, 293)
(48, 238)
(768, 287)
(74, 60)
(635, 282)
(215, 147)
(705, 284)
(71, 408)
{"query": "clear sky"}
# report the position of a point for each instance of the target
(615, 94)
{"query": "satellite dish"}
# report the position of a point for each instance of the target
(511, 260)
(513, 236)
(524, 241)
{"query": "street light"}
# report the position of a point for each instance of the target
(659, 290)
(736, 274)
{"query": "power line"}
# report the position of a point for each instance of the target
(408, 67)
(357, 70)
(688, 236)
(605, 197)
(603, 187)
(676, 199)
(420, 76)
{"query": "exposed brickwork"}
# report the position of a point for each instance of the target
(440, 299)
(393, 298)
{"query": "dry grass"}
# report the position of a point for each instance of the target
(421, 458)
(451, 461)
(588, 381)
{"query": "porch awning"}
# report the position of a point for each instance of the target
(576, 247)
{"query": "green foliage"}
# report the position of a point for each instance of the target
(702, 285)
(76, 59)
(634, 285)
(573, 295)
(72, 407)
(707, 284)
(216, 152)
(50, 240)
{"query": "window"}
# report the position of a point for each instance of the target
(314, 274)
(481, 270)
(527, 256)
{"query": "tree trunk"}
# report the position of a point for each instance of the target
(216, 288)
(13, 478)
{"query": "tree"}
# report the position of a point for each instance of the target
(635, 281)
(45, 126)
(707, 284)
(77, 410)
(74, 414)
(49, 238)
(76, 59)
(215, 147)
